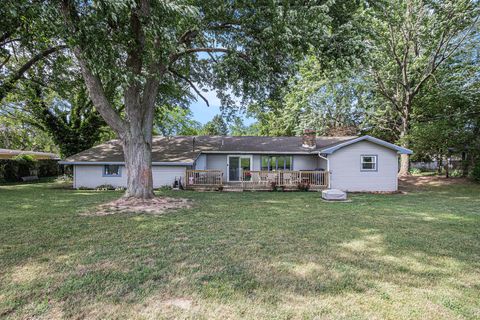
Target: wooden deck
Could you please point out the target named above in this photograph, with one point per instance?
(209, 180)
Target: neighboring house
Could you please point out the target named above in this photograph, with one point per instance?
(10, 154)
(348, 163)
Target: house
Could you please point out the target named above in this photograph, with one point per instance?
(349, 163)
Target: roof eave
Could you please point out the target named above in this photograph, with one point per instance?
(160, 163)
(400, 150)
(257, 152)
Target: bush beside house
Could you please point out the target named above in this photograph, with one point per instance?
(12, 170)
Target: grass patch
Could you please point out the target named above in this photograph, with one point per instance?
(242, 255)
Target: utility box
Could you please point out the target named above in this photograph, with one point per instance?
(334, 194)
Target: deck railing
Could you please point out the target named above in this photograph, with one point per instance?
(286, 178)
(204, 178)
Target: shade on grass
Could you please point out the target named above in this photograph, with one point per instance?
(242, 255)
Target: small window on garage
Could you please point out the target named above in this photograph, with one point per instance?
(110, 170)
(369, 162)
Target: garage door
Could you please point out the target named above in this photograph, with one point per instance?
(165, 175)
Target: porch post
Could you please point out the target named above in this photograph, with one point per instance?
(328, 168)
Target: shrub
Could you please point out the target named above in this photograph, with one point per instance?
(12, 170)
(273, 186)
(415, 171)
(456, 173)
(476, 172)
(48, 168)
(303, 186)
(105, 187)
(26, 165)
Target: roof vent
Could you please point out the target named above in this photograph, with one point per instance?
(309, 139)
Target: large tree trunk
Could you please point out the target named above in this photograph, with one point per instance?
(138, 162)
(404, 165)
(404, 158)
(135, 128)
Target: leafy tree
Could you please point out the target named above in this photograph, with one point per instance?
(22, 25)
(332, 104)
(446, 116)
(409, 40)
(53, 98)
(73, 124)
(16, 134)
(215, 127)
(238, 128)
(176, 120)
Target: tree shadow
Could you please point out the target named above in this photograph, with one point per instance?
(232, 250)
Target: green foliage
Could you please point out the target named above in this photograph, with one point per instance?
(25, 159)
(331, 104)
(476, 172)
(19, 135)
(13, 170)
(165, 188)
(415, 171)
(237, 128)
(408, 42)
(215, 127)
(456, 173)
(446, 115)
(175, 120)
(105, 187)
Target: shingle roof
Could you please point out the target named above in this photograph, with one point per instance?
(185, 149)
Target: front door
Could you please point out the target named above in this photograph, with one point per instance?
(236, 166)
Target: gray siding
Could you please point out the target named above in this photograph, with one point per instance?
(346, 174)
(304, 162)
(257, 162)
(217, 162)
(201, 162)
(300, 162)
(91, 176)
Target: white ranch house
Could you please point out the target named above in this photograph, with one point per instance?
(355, 164)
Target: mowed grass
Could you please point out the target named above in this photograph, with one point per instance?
(242, 255)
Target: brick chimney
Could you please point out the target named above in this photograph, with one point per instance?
(308, 138)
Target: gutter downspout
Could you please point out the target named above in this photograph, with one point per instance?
(328, 167)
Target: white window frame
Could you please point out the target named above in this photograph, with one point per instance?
(241, 170)
(104, 174)
(375, 162)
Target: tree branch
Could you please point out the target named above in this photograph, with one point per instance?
(92, 81)
(175, 56)
(191, 84)
(444, 56)
(10, 83)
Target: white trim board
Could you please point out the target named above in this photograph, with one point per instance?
(380, 142)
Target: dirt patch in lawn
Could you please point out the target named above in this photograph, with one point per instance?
(157, 205)
(411, 182)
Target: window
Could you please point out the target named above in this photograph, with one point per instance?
(112, 171)
(368, 163)
(272, 163)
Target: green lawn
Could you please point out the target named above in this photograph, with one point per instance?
(242, 255)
